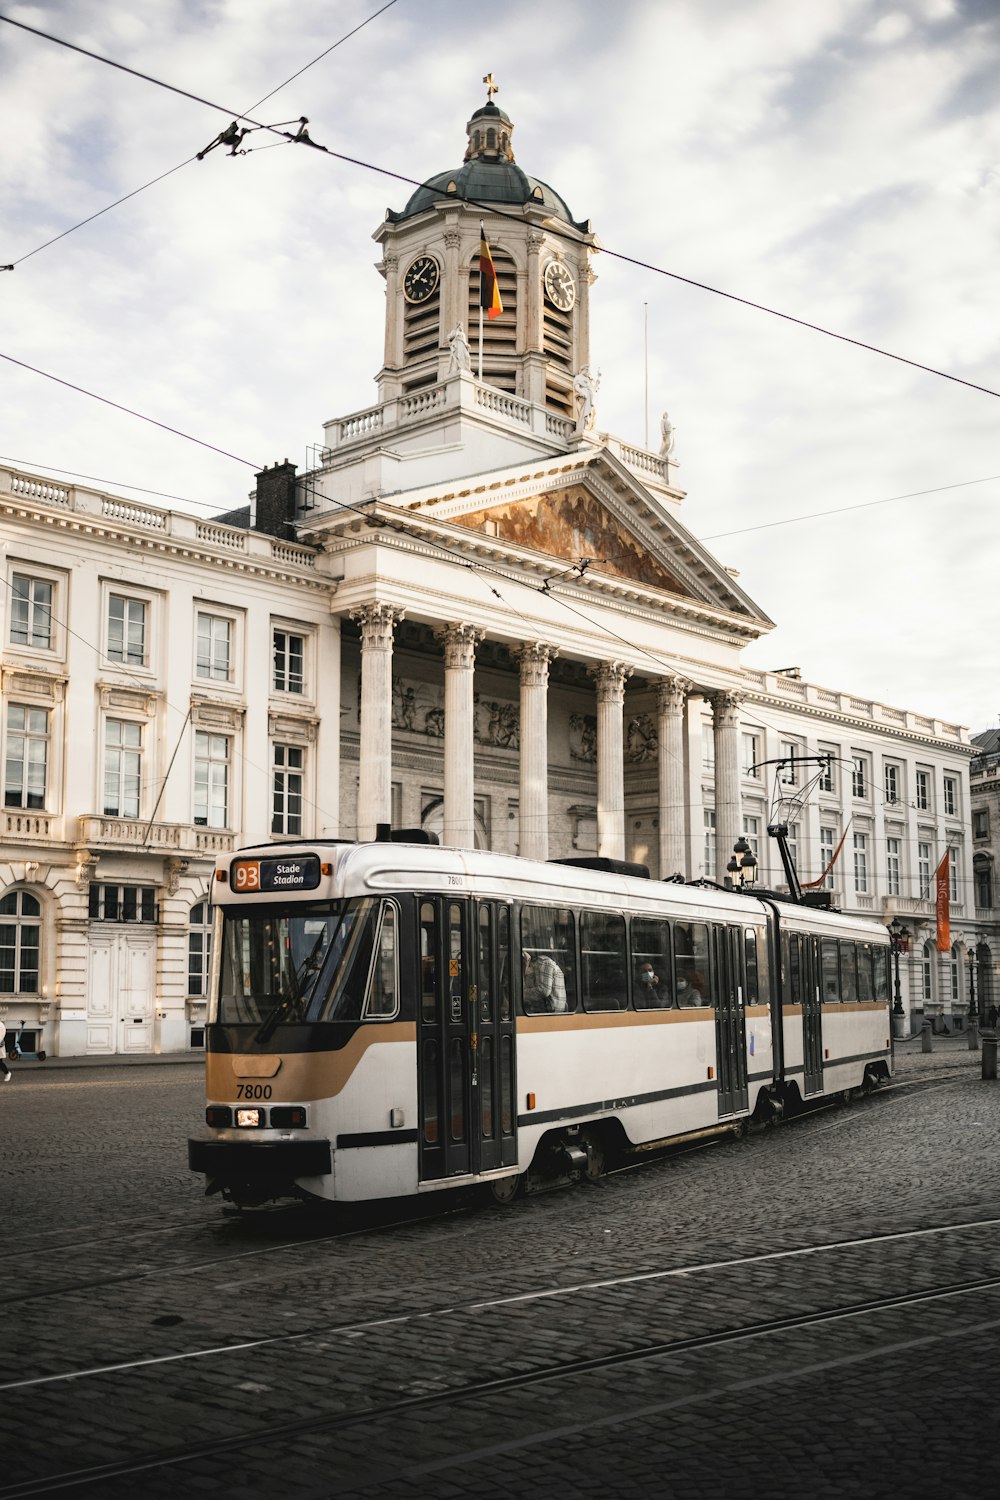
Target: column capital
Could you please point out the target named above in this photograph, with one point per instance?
(611, 677)
(725, 705)
(671, 694)
(534, 657)
(460, 642)
(377, 623)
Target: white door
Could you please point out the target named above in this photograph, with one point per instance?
(121, 983)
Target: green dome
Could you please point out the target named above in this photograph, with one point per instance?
(486, 181)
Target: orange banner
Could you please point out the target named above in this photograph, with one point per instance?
(942, 891)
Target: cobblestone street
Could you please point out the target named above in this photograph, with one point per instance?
(812, 1310)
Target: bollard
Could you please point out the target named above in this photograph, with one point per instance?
(973, 1035)
(990, 1056)
(926, 1045)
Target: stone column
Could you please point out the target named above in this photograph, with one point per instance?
(375, 773)
(611, 677)
(728, 821)
(533, 815)
(670, 701)
(460, 642)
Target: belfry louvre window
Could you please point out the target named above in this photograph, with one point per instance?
(421, 329)
(499, 334)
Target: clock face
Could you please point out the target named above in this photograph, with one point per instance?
(560, 288)
(421, 279)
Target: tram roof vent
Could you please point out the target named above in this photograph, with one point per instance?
(609, 866)
(385, 834)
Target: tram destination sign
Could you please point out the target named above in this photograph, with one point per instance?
(289, 873)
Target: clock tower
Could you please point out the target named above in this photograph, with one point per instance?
(430, 261)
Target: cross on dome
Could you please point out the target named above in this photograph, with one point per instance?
(491, 87)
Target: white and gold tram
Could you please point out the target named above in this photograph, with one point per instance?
(390, 1018)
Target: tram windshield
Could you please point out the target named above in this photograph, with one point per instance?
(289, 966)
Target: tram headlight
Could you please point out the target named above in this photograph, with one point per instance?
(249, 1119)
(218, 1115)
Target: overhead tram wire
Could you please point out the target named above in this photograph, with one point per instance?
(304, 139)
(170, 171)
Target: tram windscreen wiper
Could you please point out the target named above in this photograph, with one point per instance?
(294, 996)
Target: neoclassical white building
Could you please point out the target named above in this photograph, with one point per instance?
(480, 614)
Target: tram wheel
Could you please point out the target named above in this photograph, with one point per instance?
(504, 1190)
(597, 1157)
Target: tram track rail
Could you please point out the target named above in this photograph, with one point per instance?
(330, 1423)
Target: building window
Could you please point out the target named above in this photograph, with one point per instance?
(827, 773)
(31, 612)
(215, 642)
(211, 780)
(981, 823)
(950, 797)
(289, 662)
(861, 863)
(709, 818)
(983, 874)
(827, 844)
(26, 760)
(893, 860)
(287, 773)
(892, 783)
(750, 745)
(126, 630)
(927, 971)
(122, 903)
(924, 871)
(708, 749)
(199, 948)
(859, 776)
(20, 935)
(923, 790)
(787, 749)
(952, 962)
(122, 768)
(953, 874)
(751, 832)
(793, 845)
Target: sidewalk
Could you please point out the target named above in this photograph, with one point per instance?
(145, 1059)
(950, 1053)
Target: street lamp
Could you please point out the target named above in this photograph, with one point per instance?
(897, 934)
(742, 866)
(973, 1012)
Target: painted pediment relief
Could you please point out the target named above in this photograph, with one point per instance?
(573, 524)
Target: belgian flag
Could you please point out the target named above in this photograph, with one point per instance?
(489, 291)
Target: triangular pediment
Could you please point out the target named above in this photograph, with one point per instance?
(575, 526)
(595, 509)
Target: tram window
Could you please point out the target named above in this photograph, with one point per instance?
(548, 960)
(456, 964)
(309, 964)
(848, 971)
(456, 1088)
(428, 960)
(881, 956)
(691, 962)
(603, 979)
(651, 983)
(429, 1104)
(484, 979)
(486, 1122)
(752, 993)
(793, 970)
(865, 987)
(507, 1085)
(829, 959)
(383, 983)
(503, 962)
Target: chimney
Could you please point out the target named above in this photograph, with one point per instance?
(274, 503)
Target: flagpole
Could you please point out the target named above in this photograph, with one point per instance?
(645, 366)
(482, 242)
(480, 338)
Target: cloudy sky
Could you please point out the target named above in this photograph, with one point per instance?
(838, 160)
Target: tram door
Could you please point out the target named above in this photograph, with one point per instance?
(465, 1038)
(730, 1025)
(810, 979)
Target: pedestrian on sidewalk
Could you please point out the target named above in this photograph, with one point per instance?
(7, 1074)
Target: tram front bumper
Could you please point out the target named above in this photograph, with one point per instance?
(226, 1162)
